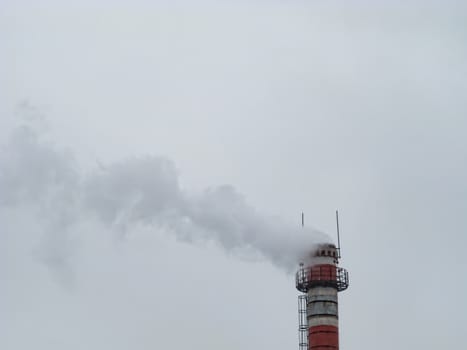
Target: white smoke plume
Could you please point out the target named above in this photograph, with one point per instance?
(138, 191)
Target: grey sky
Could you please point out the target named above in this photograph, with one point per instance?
(301, 105)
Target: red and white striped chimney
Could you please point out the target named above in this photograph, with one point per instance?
(320, 281)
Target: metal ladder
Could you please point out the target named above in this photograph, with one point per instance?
(302, 323)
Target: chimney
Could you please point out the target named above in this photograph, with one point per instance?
(320, 281)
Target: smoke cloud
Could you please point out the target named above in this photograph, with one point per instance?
(137, 191)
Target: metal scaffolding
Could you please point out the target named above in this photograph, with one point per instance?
(302, 323)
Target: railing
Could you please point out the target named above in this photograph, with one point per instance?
(322, 275)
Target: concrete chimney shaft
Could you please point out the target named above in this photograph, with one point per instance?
(321, 280)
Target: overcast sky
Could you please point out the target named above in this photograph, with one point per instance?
(296, 105)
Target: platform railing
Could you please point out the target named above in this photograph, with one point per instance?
(322, 275)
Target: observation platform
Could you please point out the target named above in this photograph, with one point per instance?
(322, 276)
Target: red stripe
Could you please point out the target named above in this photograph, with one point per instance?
(325, 272)
(323, 337)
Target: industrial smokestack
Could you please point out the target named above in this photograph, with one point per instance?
(320, 281)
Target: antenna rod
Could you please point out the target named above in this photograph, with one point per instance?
(338, 235)
(303, 219)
